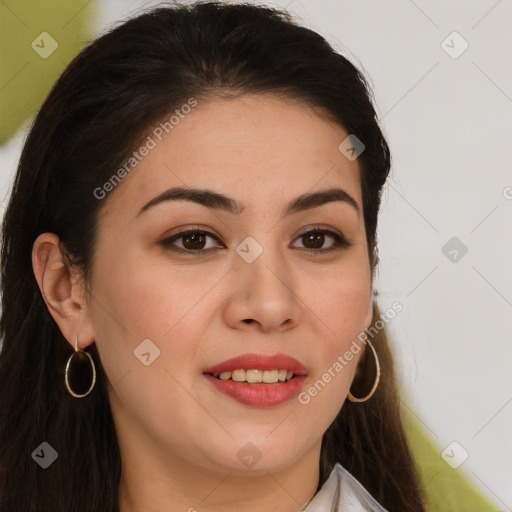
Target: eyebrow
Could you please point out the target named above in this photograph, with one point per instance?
(218, 201)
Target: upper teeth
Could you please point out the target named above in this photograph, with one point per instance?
(267, 376)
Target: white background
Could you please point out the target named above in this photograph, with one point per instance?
(449, 124)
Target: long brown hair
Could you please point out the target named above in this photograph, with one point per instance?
(94, 117)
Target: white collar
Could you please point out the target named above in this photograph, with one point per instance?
(352, 496)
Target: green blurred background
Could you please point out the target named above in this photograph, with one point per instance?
(30, 62)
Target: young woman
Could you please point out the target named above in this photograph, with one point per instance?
(187, 279)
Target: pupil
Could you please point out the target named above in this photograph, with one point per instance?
(196, 238)
(319, 238)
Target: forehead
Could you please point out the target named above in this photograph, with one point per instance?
(256, 149)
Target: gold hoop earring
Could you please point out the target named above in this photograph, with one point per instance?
(351, 397)
(80, 370)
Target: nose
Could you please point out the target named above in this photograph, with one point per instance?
(263, 292)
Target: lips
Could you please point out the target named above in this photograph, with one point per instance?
(259, 395)
(258, 362)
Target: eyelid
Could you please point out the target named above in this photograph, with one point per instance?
(319, 227)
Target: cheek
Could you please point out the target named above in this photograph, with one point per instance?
(161, 302)
(341, 300)
(340, 308)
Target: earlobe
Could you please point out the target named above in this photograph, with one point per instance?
(58, 290)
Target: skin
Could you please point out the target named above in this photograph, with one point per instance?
(178, 435)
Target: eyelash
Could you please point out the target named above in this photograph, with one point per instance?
(340, 241)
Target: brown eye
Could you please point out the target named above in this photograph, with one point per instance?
(192, 241)
(313, 241)
(195, 240)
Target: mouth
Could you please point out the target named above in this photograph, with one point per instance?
(258, 380)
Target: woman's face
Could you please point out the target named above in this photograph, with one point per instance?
(166, 308)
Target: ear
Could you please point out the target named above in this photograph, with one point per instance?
(62, 290)
(369, 313)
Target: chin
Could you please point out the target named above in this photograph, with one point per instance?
(256, 455)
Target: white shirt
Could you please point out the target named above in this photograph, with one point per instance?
(352, 496)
